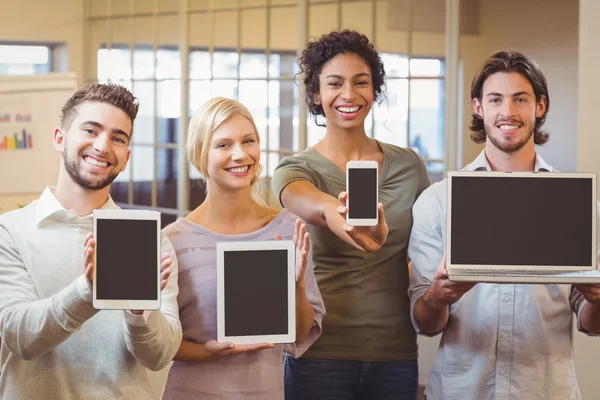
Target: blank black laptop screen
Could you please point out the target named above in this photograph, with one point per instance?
(255, 292)
(522, 221)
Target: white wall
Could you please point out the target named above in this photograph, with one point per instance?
(547, 32)
(56, 21)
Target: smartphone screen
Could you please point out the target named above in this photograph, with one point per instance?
(362, 191)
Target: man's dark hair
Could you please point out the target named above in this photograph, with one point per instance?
(113, 94)
(510, 61)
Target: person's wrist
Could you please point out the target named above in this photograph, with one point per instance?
(431, 300)
(301, 286)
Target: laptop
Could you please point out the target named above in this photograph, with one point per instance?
(521, 227)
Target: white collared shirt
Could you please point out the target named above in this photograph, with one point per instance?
(502, 341)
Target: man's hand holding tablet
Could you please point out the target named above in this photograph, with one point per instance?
(89, 264)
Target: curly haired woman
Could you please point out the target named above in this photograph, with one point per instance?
(368, 347)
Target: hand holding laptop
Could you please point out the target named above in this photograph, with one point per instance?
(591, 292)
(443, 291)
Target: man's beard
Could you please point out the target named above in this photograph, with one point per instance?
(508, 147)
(72, 167)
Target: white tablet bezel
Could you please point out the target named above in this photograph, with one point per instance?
(120, 214)
(362, 165)
(458, 271)
(287, 245)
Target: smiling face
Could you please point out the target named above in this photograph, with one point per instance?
(95, 147)
(346, 91)
(234, 154)
(509, 110)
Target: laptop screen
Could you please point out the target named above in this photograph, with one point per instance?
(504, 220)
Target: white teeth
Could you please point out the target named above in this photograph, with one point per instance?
(239, 170)
(508, 127)
(348, 109)
(90, 160)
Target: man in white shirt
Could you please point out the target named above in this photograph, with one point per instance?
(498, 341)
(54, 343)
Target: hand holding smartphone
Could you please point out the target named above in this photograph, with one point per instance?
(363, 193)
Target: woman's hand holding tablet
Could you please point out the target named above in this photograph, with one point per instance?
(302, 240)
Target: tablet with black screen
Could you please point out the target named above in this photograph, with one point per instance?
(256, 298)
(128, 245)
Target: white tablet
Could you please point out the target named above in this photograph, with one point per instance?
(256, 292)
(128, 246)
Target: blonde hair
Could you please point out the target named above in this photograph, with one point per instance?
(205, 121)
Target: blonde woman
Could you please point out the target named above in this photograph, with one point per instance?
(223, 144)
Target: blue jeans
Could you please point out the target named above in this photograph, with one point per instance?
(316, 379)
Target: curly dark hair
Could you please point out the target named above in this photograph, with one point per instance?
(319, 52)
(510, 61)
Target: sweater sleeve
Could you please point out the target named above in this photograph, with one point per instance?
(30, 327)
(155, 342)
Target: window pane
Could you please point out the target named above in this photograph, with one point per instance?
(426, 67)
(273, 160)
(225, 64)
(114, 64)
(199, 65)
(253, 94)
(263, 163)
(166, 179)
(427, 117)
(296, 126)
(143, 63)
(274, 66)
(273, 118)
(391, 115)
(142, 159)
(24, 60)
(24, 54)
(169, 111)
(143, 128)
(168, 64)
(253, 66)
(436, 171)
(227, 89)
(285, 111)
(199, 94)
(395, 65)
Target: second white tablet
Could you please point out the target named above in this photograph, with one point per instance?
(256, 292)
